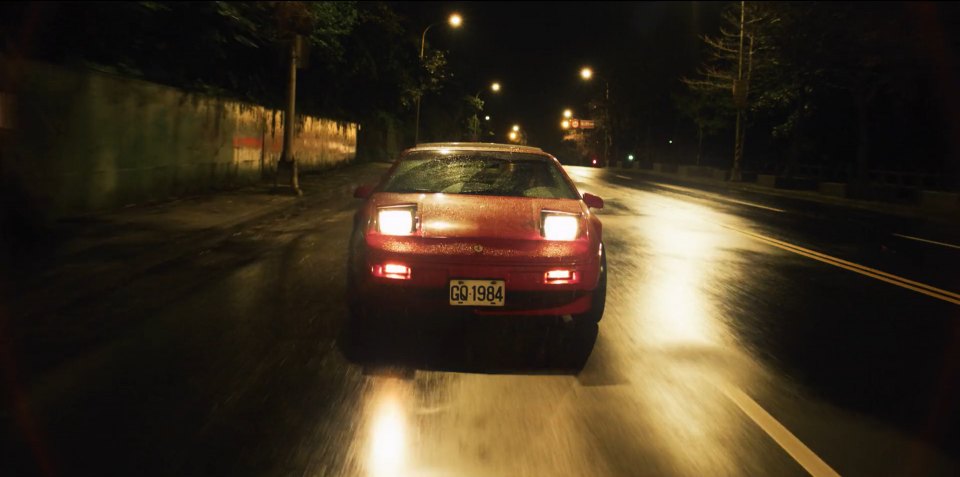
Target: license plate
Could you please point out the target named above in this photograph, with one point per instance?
(477, 292)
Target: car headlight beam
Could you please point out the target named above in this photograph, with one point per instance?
(396, 220)
(560, 226)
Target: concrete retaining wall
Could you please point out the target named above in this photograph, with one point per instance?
(793, 183)
(82, 140)
(935, 200)
(833, 189)
(939, 202)
(767, 180)
(664, 167)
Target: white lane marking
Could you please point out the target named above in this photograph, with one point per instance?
(623, 177)
(751, 204)
(780, 434)
(719, 197)
(928, 241)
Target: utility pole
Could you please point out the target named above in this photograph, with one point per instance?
(607, 138)
(287, 163)
(739, 97)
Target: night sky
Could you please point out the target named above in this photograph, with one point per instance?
(536, 51)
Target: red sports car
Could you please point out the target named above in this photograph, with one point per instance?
(485, 229)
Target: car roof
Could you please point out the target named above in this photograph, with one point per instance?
(477, 146)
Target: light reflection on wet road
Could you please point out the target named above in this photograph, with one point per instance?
(240, 371)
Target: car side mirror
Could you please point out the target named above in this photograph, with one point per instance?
(363, 191)
(592, 201)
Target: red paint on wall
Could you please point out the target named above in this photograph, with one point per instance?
(247, 142)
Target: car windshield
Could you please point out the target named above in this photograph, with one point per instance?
(479, 173)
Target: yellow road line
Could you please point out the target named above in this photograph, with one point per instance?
(857, 266)
(811, 462)
(928, 290)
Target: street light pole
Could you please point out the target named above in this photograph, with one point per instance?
(455, 20)
(587, 74)
(423, 42)
(606, 123)
(494, 87)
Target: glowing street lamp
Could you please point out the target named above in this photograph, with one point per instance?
(567, 113)
(513, 135)
(494, 87)
(486, 118)
(516, 128)
(565, 124)
(586, 73)
(455, 20)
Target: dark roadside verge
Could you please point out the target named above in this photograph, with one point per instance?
(87, 258)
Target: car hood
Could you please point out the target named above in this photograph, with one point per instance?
(478, 217)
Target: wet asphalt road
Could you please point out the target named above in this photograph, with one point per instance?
(734, 343)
